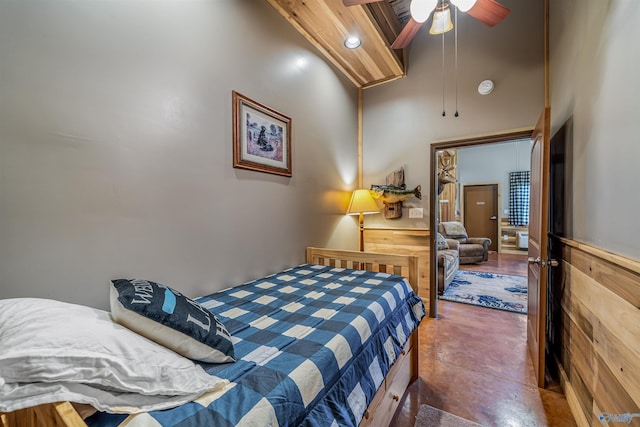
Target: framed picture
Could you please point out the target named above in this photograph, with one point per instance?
(261, 137)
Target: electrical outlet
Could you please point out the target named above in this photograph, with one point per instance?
(416, 213)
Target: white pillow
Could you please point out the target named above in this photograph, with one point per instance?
(65, 345)
(24, 395)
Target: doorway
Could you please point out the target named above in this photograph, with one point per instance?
(435, 205)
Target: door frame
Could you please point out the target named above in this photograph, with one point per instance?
(499, 206)
(468, 141)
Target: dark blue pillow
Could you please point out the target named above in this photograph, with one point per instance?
(169, 318)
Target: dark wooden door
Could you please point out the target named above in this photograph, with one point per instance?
(538, 241)
(481, 212)
(560, 225)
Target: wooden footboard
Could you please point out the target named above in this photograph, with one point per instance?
(386, 400)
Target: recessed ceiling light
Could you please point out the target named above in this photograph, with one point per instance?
(352, 42)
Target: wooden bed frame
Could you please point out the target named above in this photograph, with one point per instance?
(405, 370)
(382, 407)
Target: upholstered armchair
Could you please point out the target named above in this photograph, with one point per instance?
(472, 249)
(448, 262)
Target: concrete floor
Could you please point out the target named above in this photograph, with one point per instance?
(474, 363)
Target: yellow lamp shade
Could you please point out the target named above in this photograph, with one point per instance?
(362, 203)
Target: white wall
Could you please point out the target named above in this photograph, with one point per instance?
(115, 146)
(402, 118)
(594, 62)
(493, 163)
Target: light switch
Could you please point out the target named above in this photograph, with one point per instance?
(416, 213)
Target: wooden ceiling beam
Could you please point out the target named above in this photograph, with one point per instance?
(327, 23)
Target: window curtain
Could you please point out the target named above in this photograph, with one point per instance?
(519, 198)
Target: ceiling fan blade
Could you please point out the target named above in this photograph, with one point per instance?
(407, 34)
(490, 12)
(355, 2)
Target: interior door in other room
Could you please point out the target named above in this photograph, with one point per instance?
(481, 212)
(538, 243)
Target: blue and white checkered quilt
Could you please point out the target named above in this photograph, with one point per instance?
(313, 344)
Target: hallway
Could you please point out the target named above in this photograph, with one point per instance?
(474, 363)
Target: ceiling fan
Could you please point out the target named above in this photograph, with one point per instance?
(488, 12)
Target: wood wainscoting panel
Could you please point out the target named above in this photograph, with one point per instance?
(620, 281)
(577, 359)
(600, 356)
(403, 241)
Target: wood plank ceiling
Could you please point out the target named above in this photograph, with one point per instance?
(327, 23)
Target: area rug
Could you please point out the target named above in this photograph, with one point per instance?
(428, 416)
(500, 291)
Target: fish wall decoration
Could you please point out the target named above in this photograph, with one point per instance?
(394, 193)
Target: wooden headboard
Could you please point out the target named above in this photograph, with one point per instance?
(401, 265)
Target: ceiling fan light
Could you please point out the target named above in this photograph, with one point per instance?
(421, 9)
(441, 21)
(464, 5)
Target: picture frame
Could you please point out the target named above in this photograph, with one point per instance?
(261, 137)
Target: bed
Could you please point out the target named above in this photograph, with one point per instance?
(337, 346)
